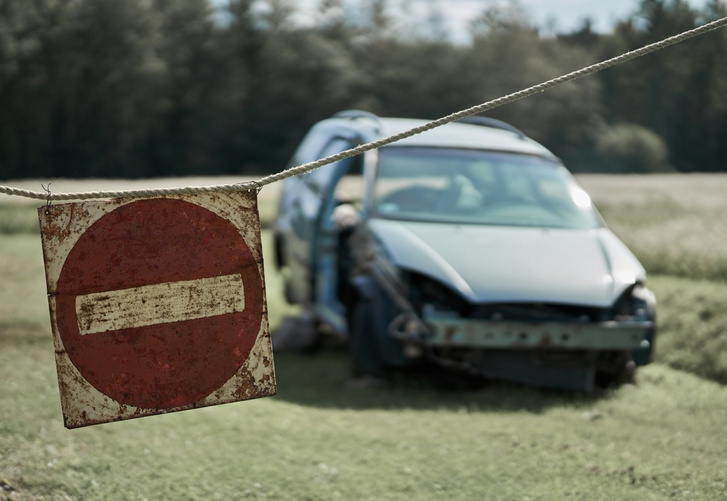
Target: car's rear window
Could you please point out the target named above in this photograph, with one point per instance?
(478, 187)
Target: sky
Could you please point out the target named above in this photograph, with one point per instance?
(566, 14)
(549, 15)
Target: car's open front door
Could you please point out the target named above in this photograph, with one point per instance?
(342, 197)
(310, 199)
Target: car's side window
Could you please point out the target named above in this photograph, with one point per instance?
(311, 146)
(319, 179)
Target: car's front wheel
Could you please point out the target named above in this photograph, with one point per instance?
(614, 369)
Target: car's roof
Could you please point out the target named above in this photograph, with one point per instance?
(452, 135)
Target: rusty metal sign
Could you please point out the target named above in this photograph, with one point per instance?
(157, 304)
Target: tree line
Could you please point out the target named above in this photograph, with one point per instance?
(141, 88)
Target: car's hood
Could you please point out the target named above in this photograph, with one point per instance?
(513, 264)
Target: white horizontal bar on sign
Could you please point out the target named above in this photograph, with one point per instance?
(159, 304)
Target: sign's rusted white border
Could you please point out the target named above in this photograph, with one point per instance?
(82, 404)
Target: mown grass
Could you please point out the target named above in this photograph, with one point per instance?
(692, 325)
(315, 440)
(660, 439)
(657, 440)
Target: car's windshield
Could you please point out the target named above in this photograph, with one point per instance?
(478, 187)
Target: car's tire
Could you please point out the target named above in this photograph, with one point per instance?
(615, 369)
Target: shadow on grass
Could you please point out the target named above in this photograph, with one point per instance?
(319, 380)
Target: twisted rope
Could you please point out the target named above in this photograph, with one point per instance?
(307, 167)
(189, 190)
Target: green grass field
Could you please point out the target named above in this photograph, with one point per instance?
(663, 438)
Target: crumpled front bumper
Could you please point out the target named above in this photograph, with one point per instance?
(467, 333)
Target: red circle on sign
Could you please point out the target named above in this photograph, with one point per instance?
(149, 242)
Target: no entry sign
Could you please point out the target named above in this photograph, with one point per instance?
(157, 304)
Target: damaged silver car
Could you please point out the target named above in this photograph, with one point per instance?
(469, 246)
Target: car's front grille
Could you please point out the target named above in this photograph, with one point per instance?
(536, 312)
